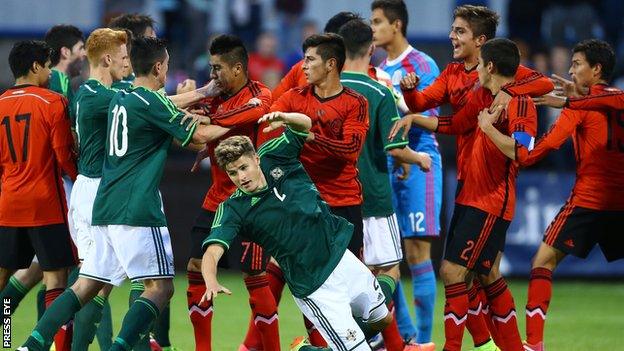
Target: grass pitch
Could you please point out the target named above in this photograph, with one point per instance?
(582, 315)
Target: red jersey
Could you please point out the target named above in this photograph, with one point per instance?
(456, 85)
(607, 98)
(339, 124)
(233, 112)
(598, 138)
(490, 179)
(259, 65)
(295, 78)
(35, 146)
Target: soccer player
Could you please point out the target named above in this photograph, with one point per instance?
(37, 147)
(108, 60)
(238, 107)
(382, 241)
(417, 198)
(594, 212)
(472, 27)
(135, 153)
(279, 207)
(68, 55)
(485, 204)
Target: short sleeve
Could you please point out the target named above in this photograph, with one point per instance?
(166, 116)
(225, 227)
(387, 114)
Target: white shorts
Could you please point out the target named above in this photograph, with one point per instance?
(79, 214)
(382, 241)
(350, 290)
(121, 251)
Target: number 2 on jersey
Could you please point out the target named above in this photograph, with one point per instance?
(116, 147)
(6, 121)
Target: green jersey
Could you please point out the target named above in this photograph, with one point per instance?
(60, 83)
(288, 218)
(91, 108)
(125, 83)
(373, 161)
(141, 125)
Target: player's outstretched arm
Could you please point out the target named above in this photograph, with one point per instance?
(207, 133)
(407, 155)
(186, 99)
(296, 121)
(211, 257)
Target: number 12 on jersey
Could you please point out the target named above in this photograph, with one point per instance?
(118, 148)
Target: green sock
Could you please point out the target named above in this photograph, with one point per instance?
(136, 324)
(104, 331)
(15, 291)
(86, 323)
(314, 348)
(41, 301)
(387, 285)
(136, 289)
(161, 328)
(62, 310)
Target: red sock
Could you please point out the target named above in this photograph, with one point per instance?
(63, 337)
(276, 281)
(391, 335)
(486, 312)
(475, 321)
(455, 311)
(315, 337)
(264, 310)
(540, 291)
(504, 315)
(201, 317)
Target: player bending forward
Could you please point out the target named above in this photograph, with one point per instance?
(278, 207)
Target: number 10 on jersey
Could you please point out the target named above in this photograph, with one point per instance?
(118, 148)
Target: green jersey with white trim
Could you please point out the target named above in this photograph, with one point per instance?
(288, 218)
(125, 83)
(373, 161)
(59, 82)
(91, 108)
(141, 125)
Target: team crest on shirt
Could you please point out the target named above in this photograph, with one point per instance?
(351, 334)
(277, 173)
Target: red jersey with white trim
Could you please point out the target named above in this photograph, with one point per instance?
(490, 177)
(36, 145)
(233, 112)
(598, 138)
(339, 124)
(456, 85)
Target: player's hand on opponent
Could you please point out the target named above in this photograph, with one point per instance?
(186, 86)
(210, 89)
(425, 161)
(212, 290)
(550, 100)
(410, 81)
(405, 124)
(565, 87)
(402, 170)
(501, 99)
(194, 118)
(487, 118)
(274, 119)
(254, 101)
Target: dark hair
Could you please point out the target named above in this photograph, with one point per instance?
(598, 52)
(231, 49)
(134, 22)
(145, 53)
(393, 10)
(503, 53)
(25, 53)
(357, 36)
(328, 45)
(338, 20)
(62, 36)
(482, 21)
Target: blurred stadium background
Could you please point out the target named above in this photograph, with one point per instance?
(273, 31)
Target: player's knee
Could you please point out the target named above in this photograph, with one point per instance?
(546, 257)
(86, 289)
(452, 273)
(161, 288)
(382, 323)
(55, 279)
(194, 265)
(417, 250)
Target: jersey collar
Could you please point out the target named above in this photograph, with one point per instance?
(400, 57)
